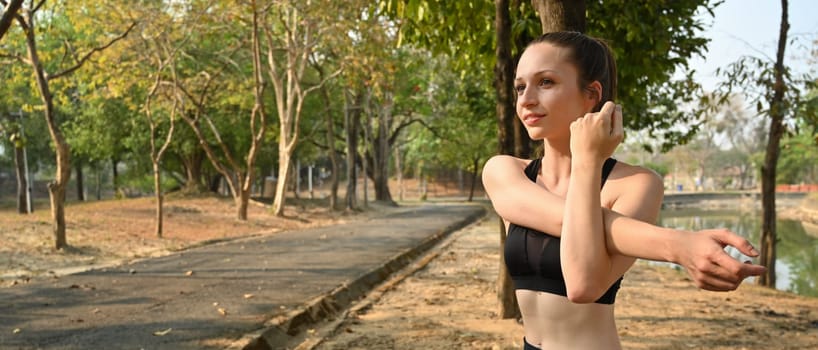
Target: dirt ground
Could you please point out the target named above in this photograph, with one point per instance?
(448, 304)
(116, 231)
(451, 304)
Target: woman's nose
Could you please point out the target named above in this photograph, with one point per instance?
(527, 98)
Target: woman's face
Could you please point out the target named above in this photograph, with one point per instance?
(548, 97)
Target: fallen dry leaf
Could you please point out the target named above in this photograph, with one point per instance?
(16, 330)
(161, 333)
(222, 311)
(189, 273)
(248, 296)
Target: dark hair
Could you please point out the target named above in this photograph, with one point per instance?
(591, 56)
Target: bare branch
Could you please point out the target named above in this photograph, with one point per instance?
(16, 57)
(323, 81)
(8, 15)
(88, 55)
(400, 127)
(37, 8)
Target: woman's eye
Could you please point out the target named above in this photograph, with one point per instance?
(546, 82)
(519, 88)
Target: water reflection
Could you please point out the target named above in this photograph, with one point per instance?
(797, 261)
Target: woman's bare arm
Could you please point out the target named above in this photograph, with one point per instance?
(516, 199)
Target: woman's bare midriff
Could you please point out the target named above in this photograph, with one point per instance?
(553, 322)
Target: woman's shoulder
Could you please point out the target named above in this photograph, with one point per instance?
(501, 169)
(635, 175)
(503, 161)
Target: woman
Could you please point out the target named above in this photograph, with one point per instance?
(566, 279)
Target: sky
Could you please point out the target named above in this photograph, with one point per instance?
(750, 27)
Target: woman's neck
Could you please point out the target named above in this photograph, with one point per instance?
(556, 163)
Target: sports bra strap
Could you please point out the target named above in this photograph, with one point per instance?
(606, 170)
(533, 169)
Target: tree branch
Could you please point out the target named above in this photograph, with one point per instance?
(8, 15)
(88, 55)
(15, 57)
(37, 8)
(400, 127)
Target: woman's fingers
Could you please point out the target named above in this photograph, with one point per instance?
(616, 119)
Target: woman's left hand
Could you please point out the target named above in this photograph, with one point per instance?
(595, 136)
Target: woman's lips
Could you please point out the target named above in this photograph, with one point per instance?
(531, 119)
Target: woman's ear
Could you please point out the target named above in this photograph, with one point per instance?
(594, 91)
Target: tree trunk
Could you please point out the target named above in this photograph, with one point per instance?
(559, 15)
(331, 152)
(399, 173)
(505, 286)
(80, 184)
(56, 189)
(503, 76)
(475, 170)
(215, 182)
(380, 171)
(283, 177)
(115, 177)
(351, 123)
(365, 169)
(98, 173)
(193, 162)
(157, 190)
(22, 181)
(242, 202)
(768, 170)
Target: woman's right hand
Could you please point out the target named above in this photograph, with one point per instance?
(595, 136)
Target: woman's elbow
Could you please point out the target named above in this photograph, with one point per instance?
(583, 293)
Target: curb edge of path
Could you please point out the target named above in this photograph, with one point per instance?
(279, 330)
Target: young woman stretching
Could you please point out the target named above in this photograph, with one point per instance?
(576, 218)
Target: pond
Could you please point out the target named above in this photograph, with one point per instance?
(797, 251)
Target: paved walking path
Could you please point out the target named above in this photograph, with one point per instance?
(253, 293)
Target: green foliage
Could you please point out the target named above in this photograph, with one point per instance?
(754, 77)
(430, 60)
(652, 40)
(798, 162)
(462, 30)
(650, 46)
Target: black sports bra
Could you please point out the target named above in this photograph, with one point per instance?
(533, 257)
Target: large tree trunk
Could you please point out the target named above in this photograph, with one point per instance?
(503, 76)
(22, 180)
(559, 15)
(768, 170)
